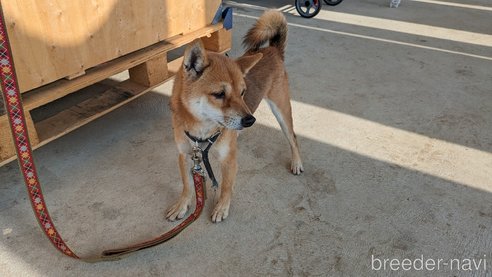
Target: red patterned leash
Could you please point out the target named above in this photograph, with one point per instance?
(13, 103)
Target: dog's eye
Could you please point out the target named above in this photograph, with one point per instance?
(219, 95)
(243, 92)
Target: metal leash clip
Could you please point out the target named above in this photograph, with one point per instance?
(197, 160)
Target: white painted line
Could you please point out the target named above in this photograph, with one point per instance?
(451, 4)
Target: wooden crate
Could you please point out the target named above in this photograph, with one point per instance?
(148, 67)
(62, 39)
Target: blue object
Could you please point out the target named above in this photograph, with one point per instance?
(224, 14)
(218, 15)
(227, 16)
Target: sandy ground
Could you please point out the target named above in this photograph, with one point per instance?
(393, 111)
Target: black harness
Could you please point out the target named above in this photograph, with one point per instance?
(210, 140)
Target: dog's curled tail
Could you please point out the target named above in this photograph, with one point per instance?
(271, 27)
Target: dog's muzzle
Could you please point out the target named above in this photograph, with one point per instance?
(247, 121)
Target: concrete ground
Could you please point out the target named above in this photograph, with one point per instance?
(393, 111)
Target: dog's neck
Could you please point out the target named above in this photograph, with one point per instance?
(197, 127)
(203, 128)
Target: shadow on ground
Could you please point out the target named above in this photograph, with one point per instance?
(345, 208)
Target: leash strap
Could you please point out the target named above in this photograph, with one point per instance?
(15, 111)
(206, 162)
(198, 181)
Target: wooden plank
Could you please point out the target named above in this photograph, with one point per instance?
(7, 148)
(33, 135)
(60, 88)
(218, 41)
(151, 72)
(91, 109)
(2, 105)
(76, 75)
(81, 113)
(85, 112)
(53, 39)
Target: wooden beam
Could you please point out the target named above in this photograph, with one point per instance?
(218, 41)
(85, 112)
(7, 148)
(151, 72)
(80, 114)
(75, 75)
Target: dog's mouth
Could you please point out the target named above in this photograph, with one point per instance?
(235, 127)
(222, 124)
(233, 123)
(237, 123)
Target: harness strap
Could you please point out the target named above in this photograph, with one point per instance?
(15, 112)
(211, 140)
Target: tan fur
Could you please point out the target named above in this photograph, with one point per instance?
(199, 108)
(271, 27)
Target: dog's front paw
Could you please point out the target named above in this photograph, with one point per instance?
(221, 210)
(296, 167)
(178, 210)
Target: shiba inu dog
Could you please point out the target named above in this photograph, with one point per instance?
(213, 93)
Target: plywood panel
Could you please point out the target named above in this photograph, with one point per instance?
(54, 39)
(60, 88)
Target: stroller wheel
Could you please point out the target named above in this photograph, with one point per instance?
(308, 8)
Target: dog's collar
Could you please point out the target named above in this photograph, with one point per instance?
(211, 140)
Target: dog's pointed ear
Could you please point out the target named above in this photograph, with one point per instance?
(247, 62)
(195, 59)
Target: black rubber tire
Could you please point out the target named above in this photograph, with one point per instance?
(302, 4)
(332, 2)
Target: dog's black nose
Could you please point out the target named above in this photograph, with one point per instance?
(248, 120)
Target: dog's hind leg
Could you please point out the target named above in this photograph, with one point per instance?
(279, 101)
